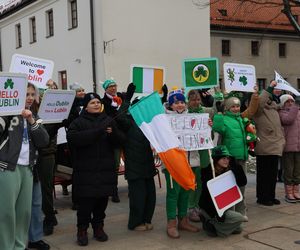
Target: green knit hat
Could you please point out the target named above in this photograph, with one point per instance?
(220, 151)
(108, 83)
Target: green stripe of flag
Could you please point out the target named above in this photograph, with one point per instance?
(146, 109)
(138, 79)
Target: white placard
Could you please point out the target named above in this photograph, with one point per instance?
(13, 89)
(39, 70)
(56, 105)
(284, 85)
(192, 130)
(239, 77)
(224, 192)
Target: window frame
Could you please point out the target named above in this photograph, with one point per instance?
(32, 27)
(226, 47)
(255, 48)
(282, 47)
(18, 32)
(72, 14)
(49, 23)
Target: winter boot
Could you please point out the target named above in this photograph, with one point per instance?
(184, 224)
(82, 237)
(172, 229)
(48, 224)
(296, 192)
(289, 194)
(99, 233)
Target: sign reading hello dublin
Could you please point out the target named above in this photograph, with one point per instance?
(13, 88)
(39, 70)
(200, 73)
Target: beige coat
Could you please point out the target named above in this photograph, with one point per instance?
(269, 131)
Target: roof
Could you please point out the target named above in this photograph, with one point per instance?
(263, 15)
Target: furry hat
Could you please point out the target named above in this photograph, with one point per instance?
(231, 101)
(88, 97)
(284, 98)
(175, 95)
(108, 82)
(75, 86)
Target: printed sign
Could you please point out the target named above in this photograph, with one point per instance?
(239, 77)
(13, 89)
(284, 85)
(39, 71)
(56, 105)
(192, 130)
(147, 79)
(224, 192)
(200, 73)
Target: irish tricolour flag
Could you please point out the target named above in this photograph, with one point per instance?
(147, 79)
(224, 192)
(149, 115)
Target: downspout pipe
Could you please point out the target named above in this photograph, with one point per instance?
(93, 44)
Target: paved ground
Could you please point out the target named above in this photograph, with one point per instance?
(276, 227)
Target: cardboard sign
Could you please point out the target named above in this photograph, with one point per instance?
(284, 85)
(56, 105)
(239, 77)
(13, 89)
(224, 192)
(39, 71)
(192, 130)
(147, 79)
(200, 73)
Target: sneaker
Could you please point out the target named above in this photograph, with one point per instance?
(265, 203)
(39, 245)
(140, 228)
(115, 198)
(193, 215)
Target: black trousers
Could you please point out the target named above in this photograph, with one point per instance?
(91, 210)
(266, 177)
(142, 199)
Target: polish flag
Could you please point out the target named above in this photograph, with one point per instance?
(224, 192)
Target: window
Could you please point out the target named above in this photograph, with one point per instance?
(63, 79)
(225, 47)
(73, 17)
(282, 49)
(18, 36)
(32, 26)
(49, 23)
(261, 83)
(254, 48)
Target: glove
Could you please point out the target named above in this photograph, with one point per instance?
(130, 91)
(220, 106)
(165, 93)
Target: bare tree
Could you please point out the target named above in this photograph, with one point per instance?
(288, 6)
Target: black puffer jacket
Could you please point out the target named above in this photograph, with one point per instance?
(93, 155)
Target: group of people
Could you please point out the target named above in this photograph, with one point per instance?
(100, 132)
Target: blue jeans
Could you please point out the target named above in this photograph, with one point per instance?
(36, 222)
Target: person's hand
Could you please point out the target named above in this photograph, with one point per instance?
(130, 91)
(210, 122)
(27, 114)
(164, 89)
(108, 130)
(273, 84)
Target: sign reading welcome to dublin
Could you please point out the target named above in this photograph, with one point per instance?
(200, 73)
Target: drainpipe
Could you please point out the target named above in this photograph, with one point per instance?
(93, 44)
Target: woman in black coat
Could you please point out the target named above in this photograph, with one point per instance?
(92, 138)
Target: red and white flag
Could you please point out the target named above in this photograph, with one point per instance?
(224, 192)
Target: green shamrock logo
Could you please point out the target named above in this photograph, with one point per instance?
(243, 80)
(231, 75)
(9, 83)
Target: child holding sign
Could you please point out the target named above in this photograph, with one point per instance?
(230, 222)
(17, 156)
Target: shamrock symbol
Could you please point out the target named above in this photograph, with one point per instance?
(200, 72)
(243, 80)
(230, 75)
(9, 83)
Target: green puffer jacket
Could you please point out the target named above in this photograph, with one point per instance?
(231, 127)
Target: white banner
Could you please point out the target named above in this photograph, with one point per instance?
(13, 89)
(39, 70)
(192, 130)
(284, 85)
(239, 77)
(56, 105)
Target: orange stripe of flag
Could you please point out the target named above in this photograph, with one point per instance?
(158, 80)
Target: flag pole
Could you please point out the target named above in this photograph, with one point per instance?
(211, 164)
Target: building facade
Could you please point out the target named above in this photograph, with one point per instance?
(91, 40)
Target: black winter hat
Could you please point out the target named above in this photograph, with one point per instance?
(88, 97)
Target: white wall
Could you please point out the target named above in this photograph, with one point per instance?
(156, 32)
